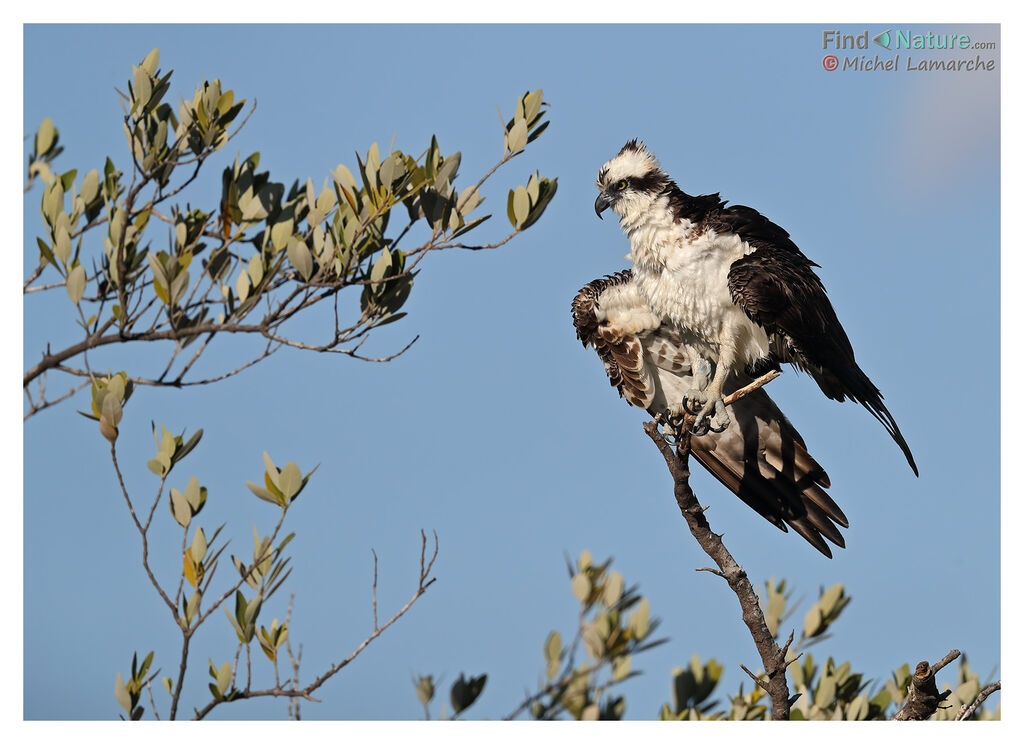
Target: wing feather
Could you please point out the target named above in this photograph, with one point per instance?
(777, 288)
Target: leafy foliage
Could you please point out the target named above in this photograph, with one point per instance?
(265, 253)
(138, 265)
(611, 637)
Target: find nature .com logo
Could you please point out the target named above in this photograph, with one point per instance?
(895, 40)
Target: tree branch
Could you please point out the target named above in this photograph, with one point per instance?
(966, 711)
(924, 697)
(425, 580)
(772, 657)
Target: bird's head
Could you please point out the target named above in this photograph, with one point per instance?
(630, 181)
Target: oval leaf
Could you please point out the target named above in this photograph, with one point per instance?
(300, 257)
(76, 284)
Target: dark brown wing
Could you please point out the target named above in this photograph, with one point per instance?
(760, 457)
(777, 288)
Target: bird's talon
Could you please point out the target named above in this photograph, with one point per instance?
(712, 417)
(694, 401)
(720, 421)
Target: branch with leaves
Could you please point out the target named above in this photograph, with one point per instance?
(614, 624)
(267, 254)
(200, 559)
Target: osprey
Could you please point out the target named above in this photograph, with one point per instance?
(736, 283)
(758, 456)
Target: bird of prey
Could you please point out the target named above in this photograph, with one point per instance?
(736, 282)
(759, 455)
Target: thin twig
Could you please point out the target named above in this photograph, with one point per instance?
(376, 625)
(306, 693)
(149, 689)
(966, 711)
(35, 408)
(760, 382)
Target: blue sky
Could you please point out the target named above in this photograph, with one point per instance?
(497, 430)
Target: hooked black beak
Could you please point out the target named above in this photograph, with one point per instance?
(602, 203)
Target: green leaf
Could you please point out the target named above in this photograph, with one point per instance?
(521, 204)
(516, 138)
(553, 646)
(830, 598)
(255, 269)
(121, 693)
(585, 561)
(281, 232)
(242, 286)
(262, 493)
(465, 692)
(424, 688)
(446, 173)
(344, 178)
(252, 611)
(45, 136)
(547, 193)
(858, 709)
(613, 588)
(143, 87)
(179, 507)
(509, 210)
(180, 452)
(300, 257)
(813, 622)
(271, 469)
(160, 465)
(90, 186)
(76, 283)
(45, 254)
(640, 619)
(198, 547)
(150, 62)
(224, 677)
(581, 587)
(53, 201)
(533, 188)
(592, 641)
(531, 104)
(381, 266)
(291, 480)
(62, 242)
(68, 178)
(193, 494)
(192, 607)
(111, 408)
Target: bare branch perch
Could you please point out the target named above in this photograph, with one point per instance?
(924, 697)
(772, 657)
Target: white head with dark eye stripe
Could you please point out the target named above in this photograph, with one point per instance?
(630, 182)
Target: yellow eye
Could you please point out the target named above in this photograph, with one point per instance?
(620, 186)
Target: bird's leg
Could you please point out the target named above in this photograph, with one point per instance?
(712, 397)
(694, 399)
